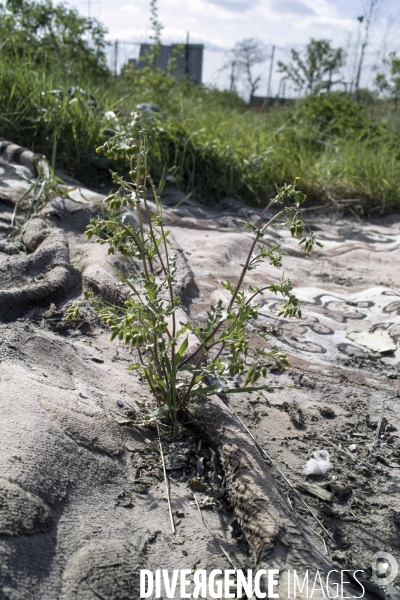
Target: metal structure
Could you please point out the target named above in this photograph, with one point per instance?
(177, 59)
(212, 66)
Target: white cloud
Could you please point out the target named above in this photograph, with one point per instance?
(225, 22)
(131, 8)
(238, 6)
(292, 7)
(222, 23)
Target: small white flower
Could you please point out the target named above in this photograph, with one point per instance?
(110, 115)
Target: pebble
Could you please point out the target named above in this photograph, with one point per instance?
(198, 486)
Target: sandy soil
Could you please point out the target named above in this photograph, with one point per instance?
(82, 496)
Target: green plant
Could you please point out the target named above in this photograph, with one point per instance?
(335, 114)
(391, 86)
(314, 69)
(148, 322)
(204, 141)
(44, 187)
(56, 36)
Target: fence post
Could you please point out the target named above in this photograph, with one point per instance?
(271, 66)
(115, 58)
(187, 55)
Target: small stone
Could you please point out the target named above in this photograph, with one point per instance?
(353, 447)
(120, 403)
(124, 499)
(198, 486)
(327, 412)
(178, 460)
(140, 488)
(296, 415)
(339, 489)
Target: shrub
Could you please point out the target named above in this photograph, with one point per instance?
(335, 113)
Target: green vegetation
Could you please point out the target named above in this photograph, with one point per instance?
(390, 82)
(314, 70)
(175, 372)
(53, 36)
(203, 141)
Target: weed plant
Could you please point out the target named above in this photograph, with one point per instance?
(43, 189)
(176, 374)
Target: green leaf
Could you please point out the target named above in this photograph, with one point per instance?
(185, 327)
(207, 391)
(182, 348)
(134, 367)
(245, 224)
(154, 415)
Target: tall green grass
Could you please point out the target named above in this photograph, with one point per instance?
(37, 111)
(204, 141)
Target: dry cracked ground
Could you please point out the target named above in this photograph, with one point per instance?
(82, 496)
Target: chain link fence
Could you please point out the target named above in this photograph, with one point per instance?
(217, 69)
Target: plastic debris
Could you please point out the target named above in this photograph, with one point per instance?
(146, 107)
(378, 341)
(200, 466)
(110, 115)
(319, 465)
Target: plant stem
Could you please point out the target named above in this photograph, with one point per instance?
(241, 278)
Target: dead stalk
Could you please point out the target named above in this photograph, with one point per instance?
(212, 534)
(166, 482)
(360, 462)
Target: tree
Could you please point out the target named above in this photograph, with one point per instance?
(55, 35)
(371, 10)
(313, 71)
(391, 85)
(243, 57)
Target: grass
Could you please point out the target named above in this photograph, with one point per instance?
(204, 141)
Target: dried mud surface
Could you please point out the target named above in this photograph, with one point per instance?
(82, 498)
(346, 390)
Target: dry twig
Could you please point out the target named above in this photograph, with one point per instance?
(166, 483)
(360, 462)
(213, 535)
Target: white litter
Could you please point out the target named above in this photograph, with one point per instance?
(318, 465)
(378, 341)
(110, 116)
